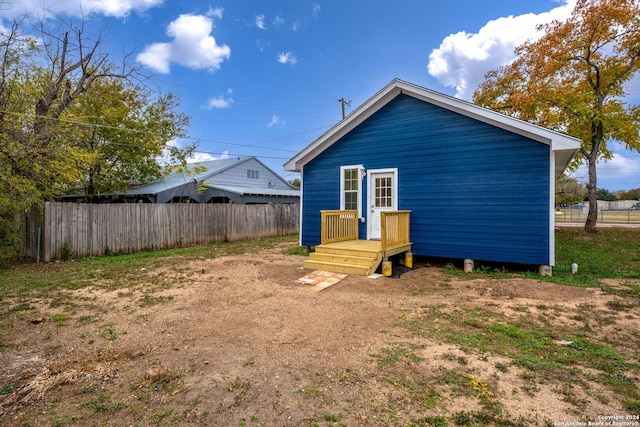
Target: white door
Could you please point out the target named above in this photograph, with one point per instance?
(382, 196)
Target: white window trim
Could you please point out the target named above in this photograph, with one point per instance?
(361, 174)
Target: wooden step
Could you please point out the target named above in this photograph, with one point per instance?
(346, 251)
(334, 267)
(342, 258)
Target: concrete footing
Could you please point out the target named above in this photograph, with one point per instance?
(408, 260)
(387, 268)
(468, 265)
(546, 270)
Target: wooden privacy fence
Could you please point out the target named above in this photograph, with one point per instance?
(82, 229)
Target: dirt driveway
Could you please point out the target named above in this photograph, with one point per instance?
(237, 341)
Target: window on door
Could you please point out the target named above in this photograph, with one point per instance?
(384, 192)
(351, 188)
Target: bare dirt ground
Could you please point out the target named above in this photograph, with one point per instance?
(237, 341)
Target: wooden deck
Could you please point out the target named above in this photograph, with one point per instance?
(359, 257)
(340, 250)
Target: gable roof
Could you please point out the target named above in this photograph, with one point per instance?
(563, 145)
(176, 179)
(213, 167)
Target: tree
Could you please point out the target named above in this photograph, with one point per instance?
(633, 194)
(122, 130)
(569, 190)
(44, 82)
(39, 79)
(606, 195)
(295, 182)
(572, 80)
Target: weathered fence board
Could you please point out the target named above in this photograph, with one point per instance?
(97, 229)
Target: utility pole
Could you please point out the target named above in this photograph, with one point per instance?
(343, 102)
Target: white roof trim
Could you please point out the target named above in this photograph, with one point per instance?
(558, 141)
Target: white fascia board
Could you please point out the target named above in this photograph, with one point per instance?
(557, 140)
(343, 127)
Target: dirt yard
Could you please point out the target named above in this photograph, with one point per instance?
(237, 341)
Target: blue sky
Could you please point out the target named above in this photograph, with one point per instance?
(263, 78)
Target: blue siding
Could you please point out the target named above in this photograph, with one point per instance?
(475, 190)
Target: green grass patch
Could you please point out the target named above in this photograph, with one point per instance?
(101, 404)
(397, 353)
(549, 355)
(611, 253)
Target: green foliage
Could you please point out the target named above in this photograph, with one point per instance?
(569, 190)
(122, 129)
(75, 121)
(573, 79)
(604, 194)
(633, 194)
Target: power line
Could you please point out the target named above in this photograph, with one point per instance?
(190, 138)
(255, 104)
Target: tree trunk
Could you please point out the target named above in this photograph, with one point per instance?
(597, 134)
(590, 226)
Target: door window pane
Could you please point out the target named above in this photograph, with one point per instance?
(383, 192)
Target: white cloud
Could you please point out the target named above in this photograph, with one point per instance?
(219, 102)
(262, 45)
(193, 46)
(316, 9)
(286, 58)
(278, 21)
(625, 164)
(215, 12)
(260, 22)
(205, 157)
(622, 172)
(462, 59)
(275, 120)
(77, 8)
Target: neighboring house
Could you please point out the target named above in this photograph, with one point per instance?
(241, 180)
(480, 185)
(613, 205)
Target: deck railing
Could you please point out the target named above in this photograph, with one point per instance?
(337, 226)
(394, 229)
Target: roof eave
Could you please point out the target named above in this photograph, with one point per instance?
(556, 140)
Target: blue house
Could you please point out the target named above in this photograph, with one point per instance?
(474, 184)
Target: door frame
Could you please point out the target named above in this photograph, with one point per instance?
(371, 194)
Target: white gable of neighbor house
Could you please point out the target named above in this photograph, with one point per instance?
(250, 173)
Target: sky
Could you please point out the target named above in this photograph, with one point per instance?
(264, 78)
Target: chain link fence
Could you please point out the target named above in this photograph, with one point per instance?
(617, 216)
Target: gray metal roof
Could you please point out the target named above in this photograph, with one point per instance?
(255, 190)
(175, 179)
